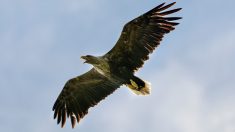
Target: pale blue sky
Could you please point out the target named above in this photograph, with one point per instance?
(192, 72)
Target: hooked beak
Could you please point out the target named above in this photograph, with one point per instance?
(84, 58)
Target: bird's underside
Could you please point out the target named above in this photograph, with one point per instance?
(117, 67)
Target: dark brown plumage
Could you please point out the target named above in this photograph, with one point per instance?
(117, 67)
(79, 94)
(141, 36)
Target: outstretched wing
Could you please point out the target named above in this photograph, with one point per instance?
(141, 36)
(81, 93)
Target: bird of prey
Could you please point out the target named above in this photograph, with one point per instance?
(117, 67)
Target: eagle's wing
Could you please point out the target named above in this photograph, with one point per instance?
(141, 36)
(81, 93)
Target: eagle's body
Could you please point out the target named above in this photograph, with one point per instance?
(117, 74)
(117, 67)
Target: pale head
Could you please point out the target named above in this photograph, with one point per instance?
(90, 59)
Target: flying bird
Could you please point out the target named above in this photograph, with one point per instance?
(117, 67)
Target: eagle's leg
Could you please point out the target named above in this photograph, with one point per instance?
(139, 86)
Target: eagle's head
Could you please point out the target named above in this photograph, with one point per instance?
(90, 59)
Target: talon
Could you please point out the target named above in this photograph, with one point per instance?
(134, 84)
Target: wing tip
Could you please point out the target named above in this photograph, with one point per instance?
(172, 18)
(178, 9)
(73, 121)
(168, 12)
(162, 4)
(55, 115)
(158, 9)
(172, 3)
(165, 7)
(61, 119)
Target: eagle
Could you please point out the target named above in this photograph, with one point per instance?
(117, 67)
